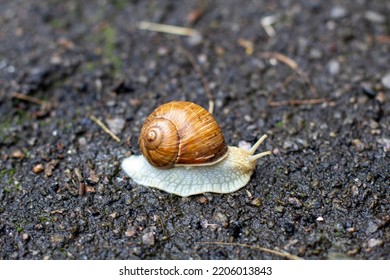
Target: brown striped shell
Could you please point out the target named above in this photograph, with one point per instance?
(181, 133)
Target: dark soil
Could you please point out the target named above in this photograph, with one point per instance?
(324, 193)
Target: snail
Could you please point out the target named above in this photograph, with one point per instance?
(184, 153)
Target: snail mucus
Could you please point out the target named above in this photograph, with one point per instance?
(184, 153)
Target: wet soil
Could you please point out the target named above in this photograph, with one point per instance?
(313, 75)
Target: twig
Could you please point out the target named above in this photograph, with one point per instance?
(294, 102)
(105, 128)
(280, 57)
(294, 66)
(248, 45)
(28, 98)
(267, 22)
(199, 71)
(165, 28)
(278, 253)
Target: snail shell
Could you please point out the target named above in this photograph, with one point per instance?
(181, 133)
(184, 153)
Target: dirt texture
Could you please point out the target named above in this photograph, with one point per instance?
(313, 75)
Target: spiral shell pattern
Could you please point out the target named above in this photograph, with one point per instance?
(181, 133)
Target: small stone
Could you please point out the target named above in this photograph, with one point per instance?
(256, 202)
(148, 238)
(135, 102)
(17, 154)
(248, 118)
(279, 209)
(221, 219)
(381, 97)
(82, 142)
(386, 80)
(355, 190)
(359, 145)
(65, 43)
(93, 177)
(338, 12)
(375, 17)
(315, 54)
(244, 145)
(195, 39)
(295, 202)
(373, 242)
(38, 168)
(56, 239)
(130, 233)
(35, 252)
(38, 226)
(351, 229)
(203, 200)
(333, 67)
(116, 125)
(90, 189)
(385, 142)
(320, 219)
(49, 167)
(368, 91)
(371, 227)
(114, 215)
(290, 145)
(353, 252)
(374, 124)
(25, 236)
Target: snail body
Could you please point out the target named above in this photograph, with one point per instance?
(184, 153)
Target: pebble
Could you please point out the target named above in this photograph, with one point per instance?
(373, 242)
(130, 233)
(279, 209)
(320, 219)
(338, 12)
(375, 17)
(244, 145)
(56, 238)
(38, 168)
(295, 202)
(25, 237)
(116, 125)
(359, 145)
(315, 54)
(371, 227)
(221, 219)
(49, 167)
(290, 145)
(256, 202)
(149, 239)
(333, 67)
(386, 80)
(93, 177)
(18, 154)
(368, 91)
(195, 39)
(386, 144)
(351, 229)
(203, 200)
(90, 189)
(353, 252)
(355, 190)
(113, 215)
